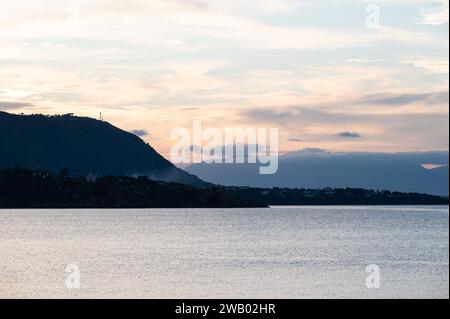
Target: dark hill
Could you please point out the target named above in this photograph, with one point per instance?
(22, 188)
(83, 146)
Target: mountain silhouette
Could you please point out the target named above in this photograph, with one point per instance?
(83, 146)
(315, 168)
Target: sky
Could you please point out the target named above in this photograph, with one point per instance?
(342, 75)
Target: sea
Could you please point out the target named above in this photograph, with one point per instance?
(278, 252)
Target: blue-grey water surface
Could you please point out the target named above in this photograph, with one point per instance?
(281, 252)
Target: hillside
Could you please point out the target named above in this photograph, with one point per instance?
(83, 146)
(330, 196)
(23, 188)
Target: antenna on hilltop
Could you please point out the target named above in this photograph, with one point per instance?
(101, 117)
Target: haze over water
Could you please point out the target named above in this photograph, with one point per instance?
(296, 252)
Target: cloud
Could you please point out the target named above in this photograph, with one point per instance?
(162, 23)
(385, 128)
(437, 14)
(350, 111)
(349, 135)
(311, 151)
(140, 132)
(364, 60)
(4, 105)
(293, 139)
(434, 98)
(432, 166)
(312, 67)
(267, 115)
(430, 12)
(429, 64)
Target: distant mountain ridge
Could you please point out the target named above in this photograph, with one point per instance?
(316, 168)
(83, 146)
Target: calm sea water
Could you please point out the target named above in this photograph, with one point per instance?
(297, 252)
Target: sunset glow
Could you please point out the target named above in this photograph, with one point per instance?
(313, 69)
